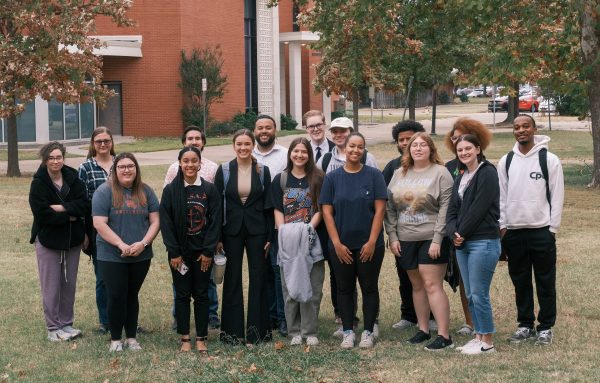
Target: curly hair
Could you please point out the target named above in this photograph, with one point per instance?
(406, 126)
(469, 126)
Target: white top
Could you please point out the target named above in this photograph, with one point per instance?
(275, 159)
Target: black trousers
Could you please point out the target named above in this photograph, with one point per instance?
(258, 326)
(123, 283)
(193, 284)
(533, 249)
(368, 278)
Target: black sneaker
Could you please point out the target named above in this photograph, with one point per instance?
(419, 337)
(283, 331)
(522, 334)
(214, 323)
(439, 344)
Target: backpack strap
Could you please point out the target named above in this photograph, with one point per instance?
(226, 173)
(283, 180)
(509, 157)
(326, 161)
(543, 158)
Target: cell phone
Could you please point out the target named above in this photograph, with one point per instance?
(182, 268)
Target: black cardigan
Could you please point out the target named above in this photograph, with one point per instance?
(53, 229)
(173, 221)
(476, 216)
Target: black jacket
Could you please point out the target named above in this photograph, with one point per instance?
(476, 216)
(257, 213)
(55, 230)
(390, 168)
(173, 221)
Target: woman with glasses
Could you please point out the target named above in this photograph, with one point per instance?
(94, 172)
(415, 221)
(125, 214)
(59, 204)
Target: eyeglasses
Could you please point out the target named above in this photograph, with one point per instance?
(102, 142)
(122, 168)
(421, 145)
(57, 159)
(315, 126)
(454, 138)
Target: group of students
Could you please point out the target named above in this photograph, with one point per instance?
(290, 211)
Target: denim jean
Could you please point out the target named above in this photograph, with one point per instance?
(275, 292)
(101, 299)
(477, 262)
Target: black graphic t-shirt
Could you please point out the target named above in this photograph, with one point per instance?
(195, 216)
(295, 202)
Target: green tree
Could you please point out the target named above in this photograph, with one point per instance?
(45, 50)
(202, 63)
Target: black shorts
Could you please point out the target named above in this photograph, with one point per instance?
(415, 253)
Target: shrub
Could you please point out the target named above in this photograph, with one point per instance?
(444, 98)
(287, 122)
(463, 98)
(245, 120)
(223, 128)
(339, 113)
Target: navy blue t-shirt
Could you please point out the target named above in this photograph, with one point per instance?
(353, 196)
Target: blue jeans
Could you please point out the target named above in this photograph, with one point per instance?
(275, 292)
(101, 299)
(213, 300)
(477, 262)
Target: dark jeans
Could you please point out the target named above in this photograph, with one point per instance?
(100, 295)
(232, 306)
(368, 278)
(275, 293)
(123, 283)
(194, 284)
(533, 249)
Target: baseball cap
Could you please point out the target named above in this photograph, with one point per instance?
(342, 122)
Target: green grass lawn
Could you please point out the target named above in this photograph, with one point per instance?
(26, 355)
(25, 154)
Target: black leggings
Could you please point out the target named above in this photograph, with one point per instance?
(123, 283)
(194, 284)
(368, 278)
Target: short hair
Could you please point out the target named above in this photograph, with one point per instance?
(528, 116)
(45, 150)
(406, 126)
(265, 116)
(312, 113)
(189, 129)
(469, 126)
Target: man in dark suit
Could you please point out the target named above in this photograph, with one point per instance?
(314, 123)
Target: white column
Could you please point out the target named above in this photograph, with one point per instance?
(327, 108)
(282, 84)
(42, 127)
(267, 31)
(296, 81)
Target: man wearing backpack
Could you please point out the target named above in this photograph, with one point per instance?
(531, 202)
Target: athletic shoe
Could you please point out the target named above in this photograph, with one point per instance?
(367, 339)
(433, 325)
(214, 323)
(283, 329)
(174, 324)
(348, 339)
(376, 330)
(465, 329)
(472, 343)
(142, 330)
(403, 324)
(102, 329)
(132, 345)
(312, 341)
(59, 335)
(419, 337)
(522, 333)
(338, 319)
(339, 333)
(482, 348)
(115, 346)
(544, 338)
(439, 343)
(75, 332)
(297, 340)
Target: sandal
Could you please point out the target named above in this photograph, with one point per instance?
(202, 351)
(185, 345)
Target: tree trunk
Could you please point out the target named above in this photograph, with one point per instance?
(355, 101)
(411, 105)
(513, 105)
(13, 148)
(590, 47)
(434, 93)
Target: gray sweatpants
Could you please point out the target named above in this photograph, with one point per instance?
(58, 279)
(303, 318)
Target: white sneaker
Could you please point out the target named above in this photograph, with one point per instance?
(376, 330)
(59, 335)
(75, 332)
(403, 324)
(297, 340)
(481, 348)
(348, 339)
(115, 346)
(433, 325)
(472, 343)
(465, 329)
(339, 333)
(367, 339)
(132, 345)
(312, 341)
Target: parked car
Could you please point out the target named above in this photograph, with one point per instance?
(545, 108)
(528, 103)
(500, 104)
(461, 91)
(476, 93)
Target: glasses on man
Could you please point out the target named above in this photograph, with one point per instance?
(102, 142)
(315, 126)
(122, 168)
(57, 158)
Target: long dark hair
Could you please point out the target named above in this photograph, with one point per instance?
(179, 177)
(248, 133)
(92, 148)
(314, 175)
(137, 193)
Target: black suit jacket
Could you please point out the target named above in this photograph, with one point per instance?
(256, 215)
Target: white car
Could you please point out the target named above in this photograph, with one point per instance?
(545, 108)
(476, 93)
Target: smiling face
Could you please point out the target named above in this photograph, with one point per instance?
(264, 132)
(420, 150)
(403, 138)
(299, 156)
(243, 146)
(55, 161)
(315, 127)
(524, 130)
(126, 172)
(467, 153)
(194, 138)
(103, 144)
(338, 136)
(190, 164)
(355, 148)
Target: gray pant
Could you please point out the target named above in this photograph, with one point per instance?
(58, 279)
(303, 318)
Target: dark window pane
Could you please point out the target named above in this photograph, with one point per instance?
(55, 120)
(71, 121)
(26, 124)
(87, 119)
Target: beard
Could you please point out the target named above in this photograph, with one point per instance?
(267, 143)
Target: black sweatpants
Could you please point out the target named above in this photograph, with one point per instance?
(193, 284)
(533, 249)
(368, 278)
(123, 283)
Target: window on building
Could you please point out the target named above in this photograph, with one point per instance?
(295, 13)
(25, 125)
(70, 121)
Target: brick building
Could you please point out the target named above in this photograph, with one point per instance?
(266, 60)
